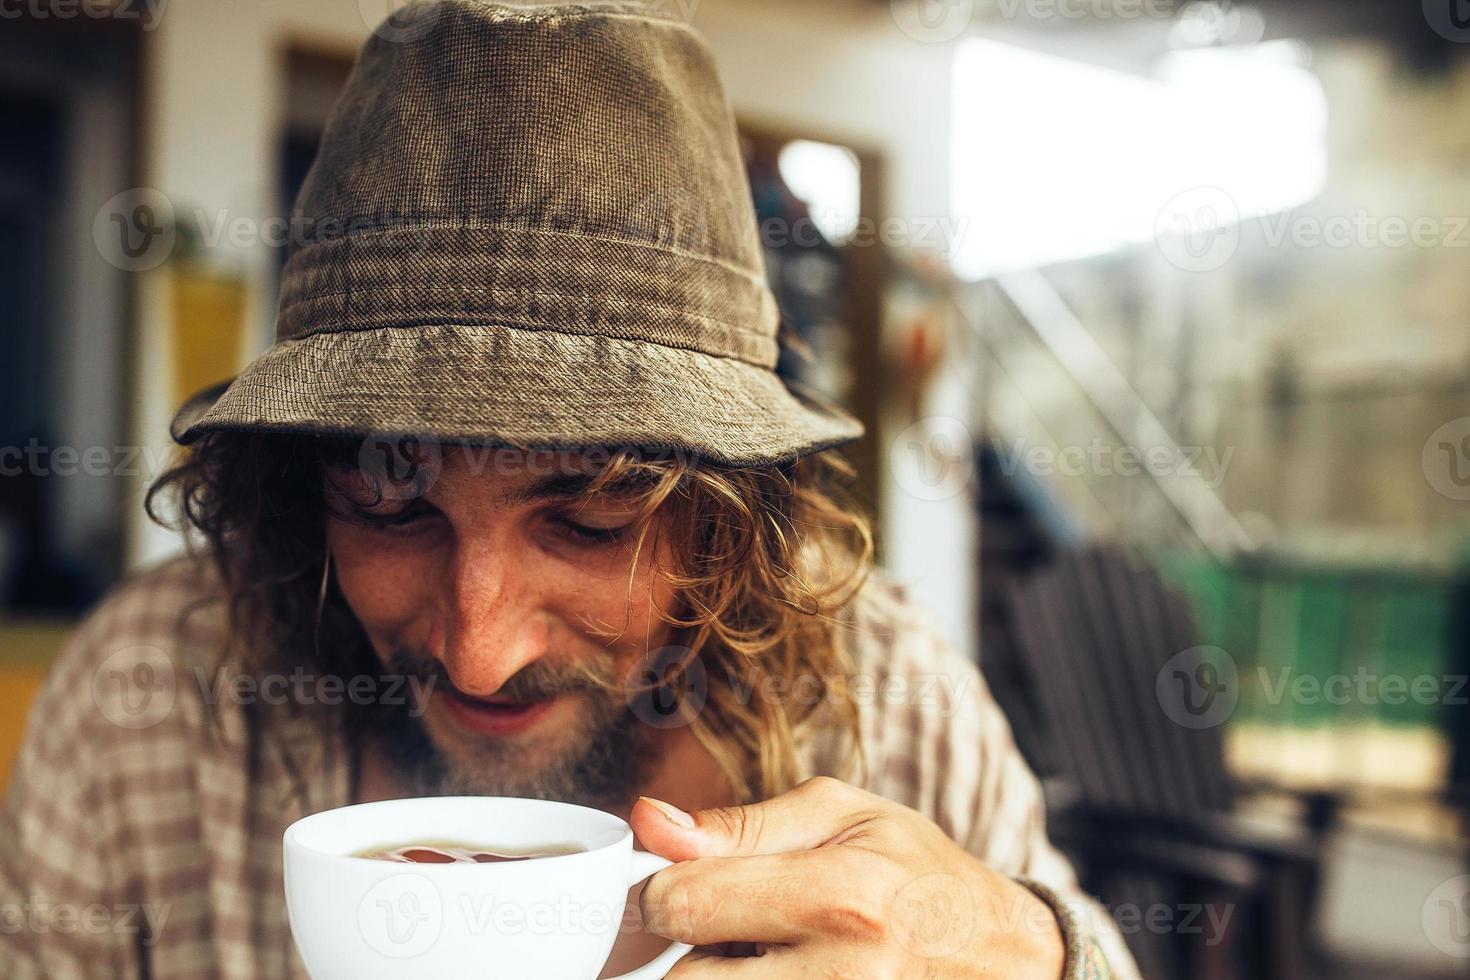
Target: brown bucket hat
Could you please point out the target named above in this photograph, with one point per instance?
(529, 226)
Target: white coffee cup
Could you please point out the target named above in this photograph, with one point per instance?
(359, 918)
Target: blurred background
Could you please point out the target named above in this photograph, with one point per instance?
(1158, 314)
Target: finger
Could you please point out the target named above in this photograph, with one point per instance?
(720, 900)
(806, 817)
(774, 898)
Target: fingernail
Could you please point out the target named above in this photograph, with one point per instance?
(673, 814)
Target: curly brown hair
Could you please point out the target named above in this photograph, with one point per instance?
(764, 558)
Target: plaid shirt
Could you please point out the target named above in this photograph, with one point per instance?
(142, 838)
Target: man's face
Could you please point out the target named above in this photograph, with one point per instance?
(522, 602)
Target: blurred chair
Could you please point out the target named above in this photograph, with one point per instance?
(1146, 806)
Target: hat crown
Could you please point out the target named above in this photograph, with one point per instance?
(569, 167)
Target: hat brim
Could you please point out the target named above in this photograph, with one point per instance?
(533, 388)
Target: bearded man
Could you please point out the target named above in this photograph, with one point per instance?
(517, 505)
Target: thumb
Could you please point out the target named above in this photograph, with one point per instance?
(806, 817)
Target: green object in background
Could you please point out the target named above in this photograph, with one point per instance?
(1322, 644)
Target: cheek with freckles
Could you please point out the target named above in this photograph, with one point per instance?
(389, 588)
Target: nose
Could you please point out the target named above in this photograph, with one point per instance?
(494, 624)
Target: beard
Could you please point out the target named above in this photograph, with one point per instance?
(603, 762)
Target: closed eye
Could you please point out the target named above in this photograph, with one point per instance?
(588, 534)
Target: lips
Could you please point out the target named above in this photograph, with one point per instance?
(493, 717)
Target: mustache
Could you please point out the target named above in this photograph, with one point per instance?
(537, 681)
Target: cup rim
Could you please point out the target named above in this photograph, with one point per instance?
(619, 827)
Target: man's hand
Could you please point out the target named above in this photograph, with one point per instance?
(829, 880)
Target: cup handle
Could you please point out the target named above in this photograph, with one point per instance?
(644, 864)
